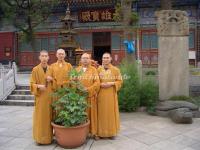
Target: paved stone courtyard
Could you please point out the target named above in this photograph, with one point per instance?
(139, 131)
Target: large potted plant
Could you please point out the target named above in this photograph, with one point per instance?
(70, 123)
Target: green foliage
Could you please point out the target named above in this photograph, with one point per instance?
(196, 101)
(134, 93)
(192, 66)
(180, 97)
(195, 73)
(134, 18)
(26, 15)
(151, 72)
(130, 1)
(129, 95)
(149, 95)
(118, 15)
(71, 105)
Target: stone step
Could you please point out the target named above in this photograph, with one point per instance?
(24, 72)
(17, 102)
(22, 87)
(21, 92)
(20, 97)
(195, 94)
(195, 90)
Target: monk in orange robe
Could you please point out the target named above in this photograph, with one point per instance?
(60, 70)
(108, 111)
(40, 87)
(90, 80)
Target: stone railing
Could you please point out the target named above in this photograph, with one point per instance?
(7, 80)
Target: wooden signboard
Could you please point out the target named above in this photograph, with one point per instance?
(99, 15)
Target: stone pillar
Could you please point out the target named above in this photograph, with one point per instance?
(14, 67)
(173, 63)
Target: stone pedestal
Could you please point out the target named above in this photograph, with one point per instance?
(173, 65)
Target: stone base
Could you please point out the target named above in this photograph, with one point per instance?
(178, 111)
(168, 105)
(196, 114)
(181, 115)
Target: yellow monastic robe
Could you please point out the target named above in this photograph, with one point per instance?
(90, 81)
(42, 115)
(108, 111)
(59, 72)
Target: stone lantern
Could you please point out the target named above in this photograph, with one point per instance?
(69, 43)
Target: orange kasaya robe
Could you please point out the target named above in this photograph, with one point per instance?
(108, 111)
(59, 72)
(90, 81)
(42, 114)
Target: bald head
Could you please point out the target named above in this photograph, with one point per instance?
(43, 51)
(85, 59)
(85, 55)
(107, 54)
(60, 54)
(60, 51)
(106, 59)
(44, 57)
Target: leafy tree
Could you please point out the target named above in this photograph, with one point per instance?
(26, 15)
(129, 94)
(135, 92)
(128, 18)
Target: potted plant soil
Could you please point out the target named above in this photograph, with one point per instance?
(70, 123)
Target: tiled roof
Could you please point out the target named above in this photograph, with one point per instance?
(76, 5)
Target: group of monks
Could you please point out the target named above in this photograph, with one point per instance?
(102, 85)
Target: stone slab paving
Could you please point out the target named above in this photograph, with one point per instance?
(139, 131)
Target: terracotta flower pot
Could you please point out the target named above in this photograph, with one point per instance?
(71, 137)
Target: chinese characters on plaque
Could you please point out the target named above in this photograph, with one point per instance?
(96, 15)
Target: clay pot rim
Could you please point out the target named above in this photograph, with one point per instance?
(79, 126)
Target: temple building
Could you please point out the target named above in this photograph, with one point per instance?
(98, 33)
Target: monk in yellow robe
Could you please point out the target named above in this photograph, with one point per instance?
(108, 111)
(90, 80)
(60, 70)
(40, 87)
